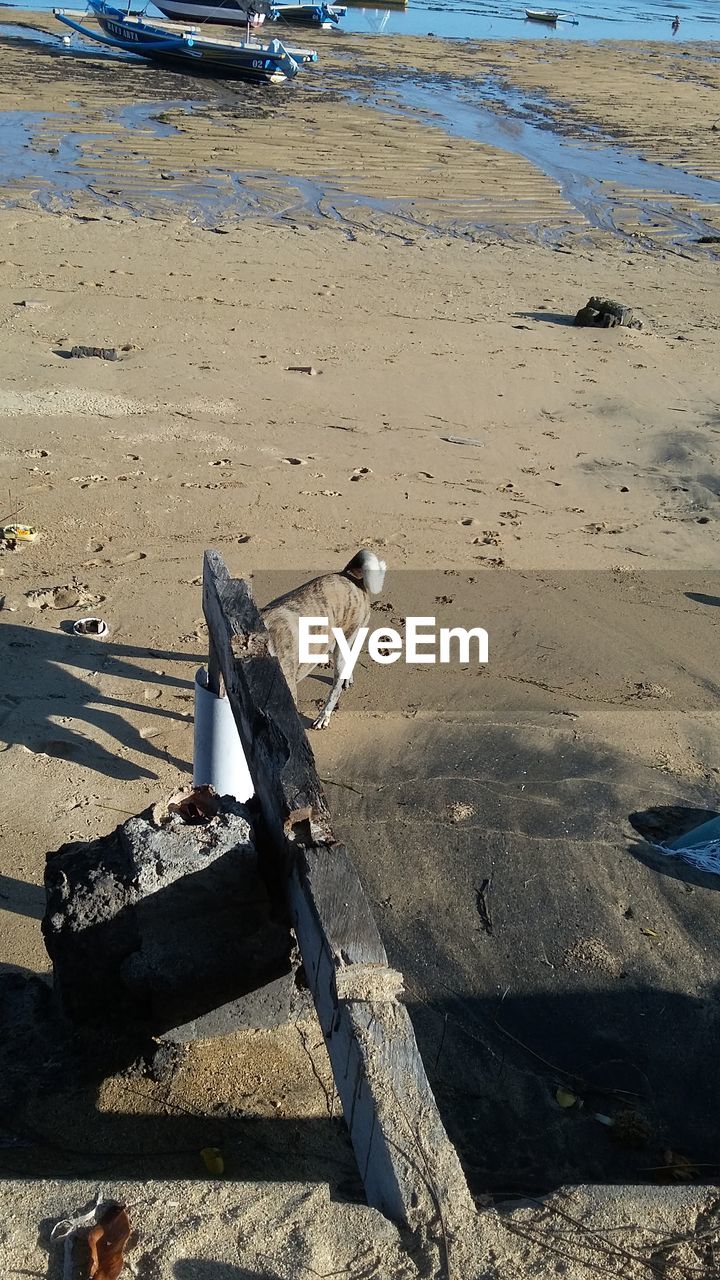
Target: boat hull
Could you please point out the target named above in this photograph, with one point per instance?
(228, 15)
(234, 15)
(310, 15)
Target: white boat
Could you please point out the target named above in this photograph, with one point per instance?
(551, 16)
(252, 13)
(229, 14)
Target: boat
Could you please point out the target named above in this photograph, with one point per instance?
(309, 15)
(376, 5)
(176, 45)
(550, 16)
(228, 13)
(236, 13)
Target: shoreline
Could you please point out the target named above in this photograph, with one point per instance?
(419, 21)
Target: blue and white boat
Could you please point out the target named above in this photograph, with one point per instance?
(187, 47)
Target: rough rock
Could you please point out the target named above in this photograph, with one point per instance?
(603, 313)
(164, 923)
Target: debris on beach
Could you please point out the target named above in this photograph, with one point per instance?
(107, 1241)
(463, 440)
(309, 369)
(213, 1161)
(11, 534)
(90, 627)
(108, 1231)
(566, 1098)
(100, 353)
(603, 313)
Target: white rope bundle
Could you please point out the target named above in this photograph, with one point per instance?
(705, 856)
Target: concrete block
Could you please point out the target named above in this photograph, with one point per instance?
(166, 921)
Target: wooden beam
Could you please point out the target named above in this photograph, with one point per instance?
(281, 764)
(409, 1167)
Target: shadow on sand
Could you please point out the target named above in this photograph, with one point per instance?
(42, 685)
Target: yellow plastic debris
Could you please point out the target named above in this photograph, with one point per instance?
(213, 1161)
(19, 533)
(565, 1098)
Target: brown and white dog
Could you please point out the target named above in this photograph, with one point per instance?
(344, 599)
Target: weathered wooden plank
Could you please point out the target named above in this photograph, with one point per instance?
(215, 682)
(340, 903)
(279, 757)
(409, 1167)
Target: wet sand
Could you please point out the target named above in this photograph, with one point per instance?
(430, 280)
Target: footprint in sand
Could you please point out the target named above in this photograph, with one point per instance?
(469, 521)
(53, 597)
(130, 558)
(86, 481)
(360, 472)
(295, 462)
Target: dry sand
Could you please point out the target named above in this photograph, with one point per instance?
(441, 313)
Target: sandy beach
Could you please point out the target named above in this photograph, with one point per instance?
(372, 224)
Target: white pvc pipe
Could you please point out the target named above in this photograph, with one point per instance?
(218, 757)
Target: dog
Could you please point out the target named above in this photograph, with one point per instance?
(344, 599)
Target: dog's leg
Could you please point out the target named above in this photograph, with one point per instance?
(322, 721)
(340, 685)
(348, 680)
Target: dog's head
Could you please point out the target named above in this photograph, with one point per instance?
(367, 571)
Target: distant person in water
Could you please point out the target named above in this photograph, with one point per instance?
(675, 25)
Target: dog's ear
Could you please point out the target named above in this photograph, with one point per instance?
(356, 568)
(367, 570)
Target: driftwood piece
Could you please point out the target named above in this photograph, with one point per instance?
(281, 763)
(409, 1167)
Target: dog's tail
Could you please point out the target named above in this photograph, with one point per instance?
(367, 569)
